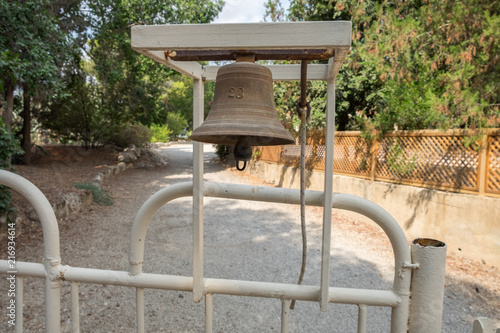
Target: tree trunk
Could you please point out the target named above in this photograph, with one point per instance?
(26, 126)
(8, 110)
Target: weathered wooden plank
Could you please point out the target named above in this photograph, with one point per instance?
(281, 72)
(245, 36)
(336, 63)
(191, 69)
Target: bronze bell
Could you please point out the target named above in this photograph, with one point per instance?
(243, 113)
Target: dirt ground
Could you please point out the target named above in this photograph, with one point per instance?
(56, 168)
(472, 288)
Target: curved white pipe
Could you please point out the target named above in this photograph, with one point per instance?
(143, 217)
(42, 207)
(50, 228)
(278, 195)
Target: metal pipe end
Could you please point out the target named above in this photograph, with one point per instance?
(428, 242)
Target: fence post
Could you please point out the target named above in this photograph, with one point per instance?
(373, 153)
(427, 286)
(483, 165)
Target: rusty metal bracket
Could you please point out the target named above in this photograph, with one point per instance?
(227, 55)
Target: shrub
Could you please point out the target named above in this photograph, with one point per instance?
(137, 135)
(8, 147)
(161, 133)
(99, 195)
(222, 151)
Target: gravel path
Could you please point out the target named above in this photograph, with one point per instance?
(243, 240)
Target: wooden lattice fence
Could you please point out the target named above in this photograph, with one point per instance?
(423, 158)
(493, 163)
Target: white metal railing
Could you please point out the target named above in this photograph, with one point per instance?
(54, 272)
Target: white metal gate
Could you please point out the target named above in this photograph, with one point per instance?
(426, 307)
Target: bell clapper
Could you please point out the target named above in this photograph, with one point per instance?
(242, 152)
(238, 165)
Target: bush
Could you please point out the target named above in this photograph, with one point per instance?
(8, 147)
(137, 135)
(222, 151)
(99, 196)
(161, 133)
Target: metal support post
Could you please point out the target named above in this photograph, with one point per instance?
(139, 301)
(285, 315)
(328, 195)
(427, 287)
(19, 303)
(209, 310)
(362, 310)
(75, 308)
(198, 115)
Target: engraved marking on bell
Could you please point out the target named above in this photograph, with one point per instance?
(235, 92)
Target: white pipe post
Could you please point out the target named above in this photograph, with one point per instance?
(427, 287)
(328, 196)
(198, 115)
(285, 315)
(209, 311)
(52, 300)
(75, 308)
(139, 301)
(19, 303)
(484, 325)
(362, 310)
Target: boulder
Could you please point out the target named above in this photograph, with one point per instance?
(127, 156)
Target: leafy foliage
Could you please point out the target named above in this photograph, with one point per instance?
(399, 164)
(222, 151)
(38, 41)
(99, 195)
(414, 64)
(161, 133)
(131, 86)
(179, 103)
(73, 60)
(8, 147)
(137, 135)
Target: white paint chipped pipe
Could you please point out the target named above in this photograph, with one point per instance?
(213, 286)
(427, 288)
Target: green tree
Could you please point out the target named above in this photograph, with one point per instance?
(415, 64)
(116, 86)
(8, 147)
(178, 101)
(131, 84)
(440, 65)
(355, 84)
(35, 48)
(77, 116)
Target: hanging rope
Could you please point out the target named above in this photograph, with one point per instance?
(304, 111)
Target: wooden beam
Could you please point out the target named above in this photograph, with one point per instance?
(191, 69)
(245, 36)
(281, 72)
(335, 63)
